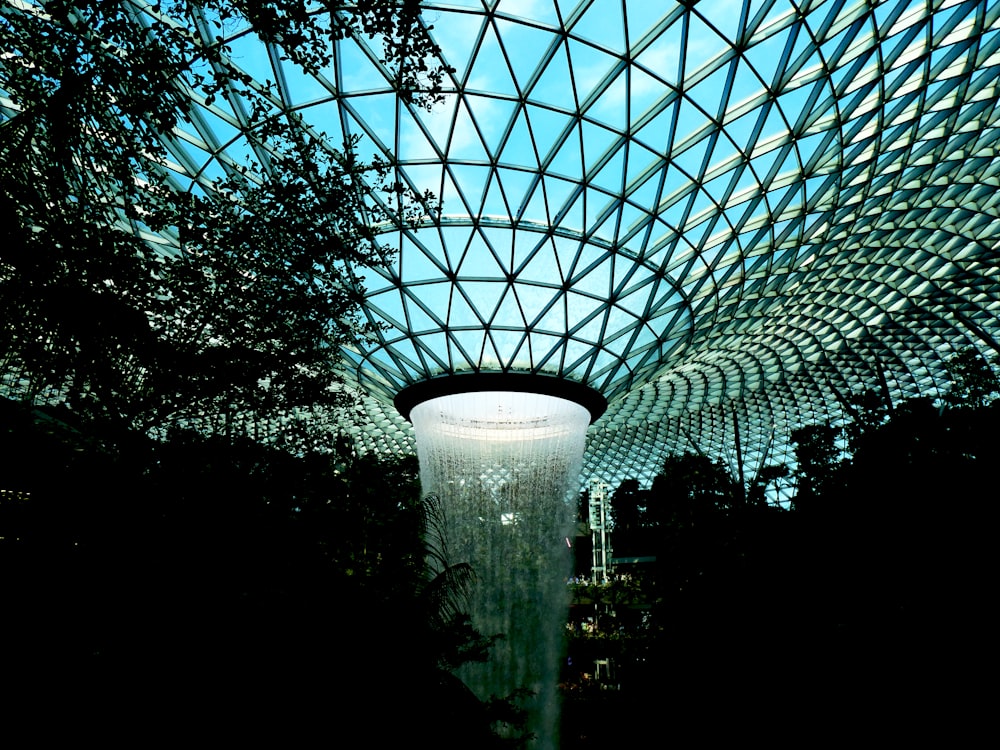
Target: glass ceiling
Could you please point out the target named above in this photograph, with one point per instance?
(720, 214)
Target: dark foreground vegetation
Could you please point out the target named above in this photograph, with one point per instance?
(197, 585)
(863, 607)
(202, 584)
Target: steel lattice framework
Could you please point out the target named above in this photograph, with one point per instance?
(722, 215)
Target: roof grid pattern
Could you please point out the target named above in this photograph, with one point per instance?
(699, 209)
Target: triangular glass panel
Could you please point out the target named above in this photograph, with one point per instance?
(763, 57)
(617, 321)
(611, 106)
(520, 357)
(790, 169)
(722, 15)
(388, 306)
(508, 312)
(548, 129)
(568, 159)
(740, 130)
(646, 195)
(484, 296)
(355, 68)
(642, 162)
(434, 348)
(465, 142)
(490, 71)
(415, 266)
(536, 209)
(804, 56)
(501, 240)
(449, 195)
(543, 346)
(631, 218)
(429, 243)
(542, 265)
(577, 356)
(662, 58)
(467, 348)
(571, 216)
(534, 300)
(491, 358)
(636, 299)
(607, 231)
(557, 193)
(413, 142)
(597, 142)
(491, 116)
(434, 297)
(372, 142)
(453, 33)
(602, 24)
(590, 68)
(525, 47)
(710, 93)
(691, 123)
(555, 84)
(703, 45)
(405, 355)
(554, 319)
(518, 150)
(611, 177)
(495, 202)
(460, 312)
(691, 159)
(456, 240)
(418, 319)
(658, 134)
(516, 184)
(592, 261)
(480, 262)
(645, 93)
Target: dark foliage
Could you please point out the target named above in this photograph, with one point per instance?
(865, 607)
(199, 585)
(237, 319)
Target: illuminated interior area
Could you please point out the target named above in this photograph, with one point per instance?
(504, 465)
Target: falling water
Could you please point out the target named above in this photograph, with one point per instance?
(504, 465)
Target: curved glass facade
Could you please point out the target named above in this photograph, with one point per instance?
(720, 215)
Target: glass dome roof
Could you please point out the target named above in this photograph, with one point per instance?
(720, 215)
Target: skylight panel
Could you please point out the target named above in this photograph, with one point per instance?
(610, 107)
(418, 319)
(661, 58)
(519, 147)
(591, 69)
(491, 70)
(508, 311)
(611, 177)
(463, 139)
(524, 47)
(456, 34)
(494, 202)
(516, 184)
(461, 314)
(603, 24)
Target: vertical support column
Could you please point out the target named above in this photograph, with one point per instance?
(601, 535)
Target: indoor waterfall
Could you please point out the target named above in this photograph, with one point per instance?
(505, 465)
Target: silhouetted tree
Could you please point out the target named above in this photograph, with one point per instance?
(817, 461)
(973, 380)
(205, 583)
(765, 477)
(238, 320)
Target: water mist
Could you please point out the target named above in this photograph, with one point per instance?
(506, 467)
